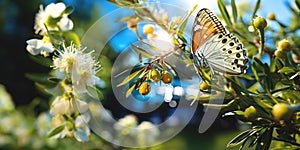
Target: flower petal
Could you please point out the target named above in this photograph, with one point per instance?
(55, 10)
(66, 24)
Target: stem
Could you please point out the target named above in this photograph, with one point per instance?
(286, 141)
(262, 43)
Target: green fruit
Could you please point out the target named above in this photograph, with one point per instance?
(280, 54)
(154, 75)
(281, 111)
(250, 112)
(166, 77)
(144, 88)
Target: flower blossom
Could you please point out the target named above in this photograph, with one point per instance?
(64, 105)
(79, 65)
(53, 18)
(37, 46)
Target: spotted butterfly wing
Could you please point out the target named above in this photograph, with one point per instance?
(214, 47)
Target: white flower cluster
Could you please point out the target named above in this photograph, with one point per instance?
(52, 18)
(145, 133)
(74, 67)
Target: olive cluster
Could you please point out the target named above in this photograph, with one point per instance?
(155, 76)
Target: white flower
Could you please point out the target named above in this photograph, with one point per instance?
(126, 125)
(6, 103)
(40, 20)
(129, 121)
(36, 46)
(65, 24)
(45, 17)
(63, 105)
(81, 66)
(147, 133)
(82, 131)
(55, 10)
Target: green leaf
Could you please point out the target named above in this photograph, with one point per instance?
(264, 140)
(239, 139)
(256, 8)
(127, 18)
(94, 92)
(181, 29)
(47, 62)
(141, 51)
(286, 70)
(297, 4)
(129, 78)
(71, 36)
(234, 10)
(56, 131)
(54, 80)
(224, 12)
(129, 91)
(247, 76)
(68, 10)
(38, 77)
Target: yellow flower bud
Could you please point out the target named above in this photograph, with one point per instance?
(281, 111)
(144, 88)
(284, 45)
(260, 22)
(148, 29)
(271, 16)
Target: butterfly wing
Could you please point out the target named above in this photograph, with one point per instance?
(212, 44)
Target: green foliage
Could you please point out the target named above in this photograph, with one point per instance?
(263, 86)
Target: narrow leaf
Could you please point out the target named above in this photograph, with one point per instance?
(264, 140)
(41, 60)
(224, 12)
(181, 28)
(56, 131)
(297, 4)
(129, 91)
(286, 70)
(68, 10)
(239, 139)
(141, 51)
(256, 8)
(129, 78)
(94, 92)
(234, 10)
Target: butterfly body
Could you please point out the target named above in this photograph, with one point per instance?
(214, 47)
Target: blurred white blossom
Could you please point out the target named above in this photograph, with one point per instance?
(6, 103)
(36, 46)
(82, 130)
(147, 133)
(55, 10)
(52, 17)
(65, 105)
(66, 24)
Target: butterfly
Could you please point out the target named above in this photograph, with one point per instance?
(215, 48)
